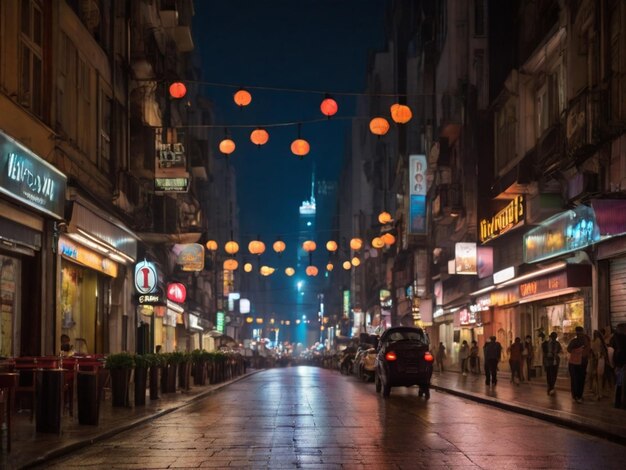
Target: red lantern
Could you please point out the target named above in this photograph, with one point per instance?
(309, 246)
(178, 90)
(401, 113)
(279, 246)
(259, 137)
(230, 264)
(311, 271)
(227, 146)
(379, 126)
(176, 292)
(256, 247)
(211, 245)
(300, 147)
(242, 98)
(329, 107)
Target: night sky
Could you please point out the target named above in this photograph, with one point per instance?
(317, 45)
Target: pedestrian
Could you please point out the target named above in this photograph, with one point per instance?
(618, 343)
(67, 350)
(474, 359)
(464, 354)
(551, 350)
(597, 364)
(492, 351)
(515, 360)
(440, 356)
(528, 356)
(578, 349)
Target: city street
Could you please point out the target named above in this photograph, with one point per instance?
(308, 417)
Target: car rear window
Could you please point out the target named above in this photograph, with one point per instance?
(414, 335)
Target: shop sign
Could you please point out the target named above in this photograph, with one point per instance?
(506, 296)
(171, 161)
(438, 291)
(194, 323)
(146, 277)
(30, 179)
(171, 185)
(417, 194)
(176, 292)
(385, 298)
(346, 303)
(508, 218)
(244, 306)
(545, 284)
(189, 256)
(470, 259)
(504, 275)
(220, 322)
(87, 257)
(568, 231)
(151, 299)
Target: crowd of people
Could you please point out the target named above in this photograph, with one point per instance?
(595, 364)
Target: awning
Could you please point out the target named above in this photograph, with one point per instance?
(610, 216)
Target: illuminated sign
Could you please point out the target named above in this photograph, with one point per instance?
(189, 256)
(151, 299)
(504, 275)
(30, 179)
(87, 257)
(171, 185)
(176, 292)
(146, 277)
(417, 194)
(220, 322)
(465, 258)
(509, 217)
(170, 173)
(506, 296)
(346, 303)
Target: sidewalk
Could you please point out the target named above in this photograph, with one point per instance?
(595, 417)
(30, 448)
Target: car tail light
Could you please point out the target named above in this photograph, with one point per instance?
(391, 356)
(428, 357)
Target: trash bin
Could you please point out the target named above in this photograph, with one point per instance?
(87, 394)
(49, 398)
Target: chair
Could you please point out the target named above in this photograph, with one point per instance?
(8, 383)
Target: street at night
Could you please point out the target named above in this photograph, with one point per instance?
(314, 418)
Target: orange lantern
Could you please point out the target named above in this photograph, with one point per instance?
(231, 264)
(242, 97)
(329, 107)
(266, 270)
(249, 319)
(311, 271)
(379, 126)
(227, 146)
(331, 246)
(389, 239)
(401, 113)
(279, 246)
(300, 147)
(355, 261)
(384, 217)
(309, 246)
(178, 90)
(290, 271)
(347, 265)
(378, 242)
(330, 267)
(259, 137)
(256, 247)
(211, 245)
(247, 267)
(231, 247)
(356, 244)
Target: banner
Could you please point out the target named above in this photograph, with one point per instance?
(417, 194)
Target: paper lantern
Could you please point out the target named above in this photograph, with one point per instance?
(211, 245)
(329, 107)
(259, 137)
(379, 126)
(300, 147)
(227, 146)
(242, 97)
(279, 246)
(266, 270)
(347, 265)
(355, 261)
(389, 239)
(311, 271)
(401, 113)
(178, 90)
(247, 267)
(356, 244)
(330, 267)
(231, 247)
(331, 246)
(384, 217)
(378, 242)
(290, 271)
(249, 319)
(256, 247)
(230, 264)
(309, 246)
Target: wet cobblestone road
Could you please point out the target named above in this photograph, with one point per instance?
(307, 417)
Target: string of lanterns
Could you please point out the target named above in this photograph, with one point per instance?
(379, 126)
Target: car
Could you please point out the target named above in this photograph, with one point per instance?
(403, 359)
(364, 363)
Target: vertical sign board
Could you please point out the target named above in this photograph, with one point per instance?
(346, 303)
(146, 277)
(465, 258)
(417, 194)
(220, 322)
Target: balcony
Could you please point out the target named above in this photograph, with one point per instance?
(447, 205)
(585, 123)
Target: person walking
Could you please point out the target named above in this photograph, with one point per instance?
(474, 359)
(618, 343)
(528, 355)
(578, 350)
(464, 354)
(440, 356)
(551, 350)
(515, 360)
(597, 364)
(492, 352)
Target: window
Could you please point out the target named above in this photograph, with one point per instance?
(104, 149)
(83, 116)
(506, 135)
(549, 100)
(30, 91)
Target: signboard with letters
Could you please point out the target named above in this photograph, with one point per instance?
(508, 218)
(146, 277)
(170, 174)
(189, 256)
(417, 194)
(87, 257)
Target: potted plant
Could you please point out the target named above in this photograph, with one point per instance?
(156, 365)
(120, 365)
(142, 364)
(174, 360)
(184, 371)
(199, 358)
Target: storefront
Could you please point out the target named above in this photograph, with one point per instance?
(32, 196)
